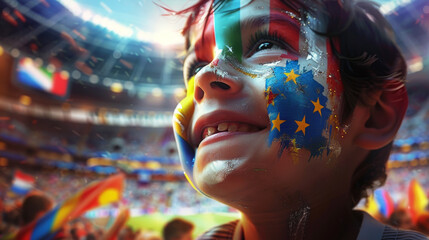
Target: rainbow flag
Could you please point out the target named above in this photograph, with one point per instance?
(95, 195)
(385, 202)
(417, 199)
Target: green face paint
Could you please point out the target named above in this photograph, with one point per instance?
(227, 29)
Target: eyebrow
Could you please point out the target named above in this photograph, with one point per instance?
(276, 17)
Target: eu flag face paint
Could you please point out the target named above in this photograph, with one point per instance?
(260, 81)
(297, 109)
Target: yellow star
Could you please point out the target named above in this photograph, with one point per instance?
(302, 125)
(317, 107)
(291, 76)
(277, 122)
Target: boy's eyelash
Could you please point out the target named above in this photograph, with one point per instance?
(265, 35)
(191, 68)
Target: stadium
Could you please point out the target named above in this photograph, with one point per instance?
(88, 90)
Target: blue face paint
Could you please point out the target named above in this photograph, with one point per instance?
(297, 109)
(186, 154)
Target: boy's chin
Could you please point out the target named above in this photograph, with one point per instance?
(256, 176)
(221, 178)
(241, 185)
(226, 176)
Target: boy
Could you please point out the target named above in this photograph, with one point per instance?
(290, 115)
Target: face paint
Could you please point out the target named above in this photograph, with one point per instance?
(298, 109)
(181, 120)
(335, 86)
(296, 99)
(226, 35)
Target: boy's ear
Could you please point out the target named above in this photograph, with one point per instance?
(379, 119)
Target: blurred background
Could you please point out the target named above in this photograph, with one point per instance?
(88, 89)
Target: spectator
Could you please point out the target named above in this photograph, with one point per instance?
(401, 218)
(34, 206)
(423, 223)
(178, 229)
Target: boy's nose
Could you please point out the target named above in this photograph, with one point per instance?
(212, 83)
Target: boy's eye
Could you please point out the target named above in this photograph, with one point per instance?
(197, 68)
(265, 45)
(266, 51)
(194, 69)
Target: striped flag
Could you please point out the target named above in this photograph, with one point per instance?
(40, 78)
(93, 196)
(385, 202)
(22, 183)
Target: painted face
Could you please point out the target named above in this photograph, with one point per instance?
(262, 94)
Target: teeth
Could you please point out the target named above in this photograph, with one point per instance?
(222, 127)
(232, 128)
(211, 131)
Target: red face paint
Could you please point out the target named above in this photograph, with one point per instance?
(205, 44)
(285, 23)
(333, 72)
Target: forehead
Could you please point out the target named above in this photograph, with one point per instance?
(228, 20)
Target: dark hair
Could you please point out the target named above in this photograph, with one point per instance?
(176, 228)
(369, 60)
(33, 205)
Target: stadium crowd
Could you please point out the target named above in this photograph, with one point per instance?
(172, 198)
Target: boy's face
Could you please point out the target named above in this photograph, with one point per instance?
(262, 102)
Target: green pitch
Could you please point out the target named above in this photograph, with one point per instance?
(202, 222)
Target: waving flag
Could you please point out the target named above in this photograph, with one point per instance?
(417, 199)
(371, 206)
(22, 183)
(95, 195)
(385, 202)
(40, 78)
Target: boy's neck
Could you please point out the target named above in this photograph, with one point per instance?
(330, 220)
